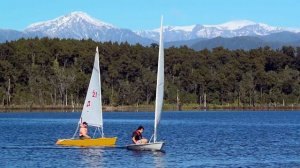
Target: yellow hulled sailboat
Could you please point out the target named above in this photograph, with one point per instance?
(91, 113)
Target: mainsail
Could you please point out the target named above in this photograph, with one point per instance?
(92, 109)
(160, 83)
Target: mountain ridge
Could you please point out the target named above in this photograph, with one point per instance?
(79, 25)
(228, 29)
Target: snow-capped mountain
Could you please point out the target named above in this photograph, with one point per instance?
(229, 29)
(79, 25)
(76, 25)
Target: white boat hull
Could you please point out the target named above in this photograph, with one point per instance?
(156, 146)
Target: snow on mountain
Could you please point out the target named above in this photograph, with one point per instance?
(233, 25)
(79, 25)
(171, 33)
(294, 30)
(67, 21)
(228, 29)
(76, 24)
(177, 28)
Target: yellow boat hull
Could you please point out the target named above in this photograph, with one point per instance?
(88, 142)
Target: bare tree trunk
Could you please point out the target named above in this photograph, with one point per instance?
(72, 102)
(8, 93)
(40, 97)
(250, 99)
(66, 96)
(55, 97)
(52, 99)
(261, 96)
(178, 101)
(253, 102)
(200, 100)
(148, 96)
(137, 106)
(112, 95)
(204, 103)
(239, 99)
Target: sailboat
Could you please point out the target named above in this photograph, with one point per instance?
(155, 145)
(91, 113)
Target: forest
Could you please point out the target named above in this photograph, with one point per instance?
(57, 71)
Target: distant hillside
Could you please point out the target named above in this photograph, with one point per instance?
(8, 35)
(185, 42)
(233, 43)
(275, 40)
(285, 37)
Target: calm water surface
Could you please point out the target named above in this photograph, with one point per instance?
(193, 139)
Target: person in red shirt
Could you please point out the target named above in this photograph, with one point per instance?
(137, 137)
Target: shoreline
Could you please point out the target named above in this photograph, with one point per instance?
(145, 108)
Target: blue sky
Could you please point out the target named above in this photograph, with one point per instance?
(145, 14)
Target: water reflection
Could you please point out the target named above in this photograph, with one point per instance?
(92, 157)
(155, 157)
(158, 159)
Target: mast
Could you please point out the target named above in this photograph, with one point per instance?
(160, 83)
(100, 94)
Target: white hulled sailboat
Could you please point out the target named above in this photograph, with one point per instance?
(155, 145)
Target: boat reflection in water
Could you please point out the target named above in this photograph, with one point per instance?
(92, 157)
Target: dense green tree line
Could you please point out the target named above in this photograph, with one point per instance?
(57, 72)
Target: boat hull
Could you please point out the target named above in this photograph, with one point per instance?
(156, 146)
(88, 142)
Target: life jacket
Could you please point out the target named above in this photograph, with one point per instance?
(137, 135)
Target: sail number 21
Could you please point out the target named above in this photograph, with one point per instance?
(94, 93)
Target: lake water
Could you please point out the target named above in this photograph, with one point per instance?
(193, 139)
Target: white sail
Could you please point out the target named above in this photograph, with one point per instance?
(92, 109)
(160, 83)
